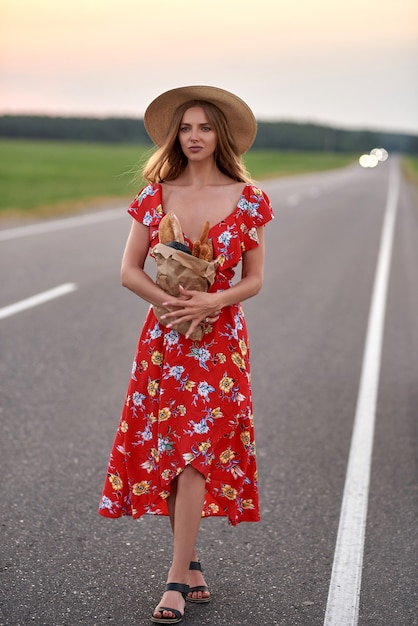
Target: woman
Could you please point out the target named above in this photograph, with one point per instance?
(185, 443)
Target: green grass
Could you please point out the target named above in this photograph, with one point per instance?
(38, 175)
(410, 168)
(269, 163)
(51, 177)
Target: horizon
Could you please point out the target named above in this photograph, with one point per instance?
(299, 122)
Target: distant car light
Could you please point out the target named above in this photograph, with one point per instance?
(368, 160)
(380, 153)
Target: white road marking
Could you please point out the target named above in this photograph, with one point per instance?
(344, 591)
(62, 224)
(39, 298)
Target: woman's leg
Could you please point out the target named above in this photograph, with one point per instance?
(196, 578)
(185, 507)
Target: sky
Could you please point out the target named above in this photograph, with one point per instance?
(350, 64)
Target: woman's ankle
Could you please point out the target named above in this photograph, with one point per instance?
(178, 575)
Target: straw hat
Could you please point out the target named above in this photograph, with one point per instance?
(240, 118)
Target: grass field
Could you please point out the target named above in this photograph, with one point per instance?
(52, 177)
(410, 168)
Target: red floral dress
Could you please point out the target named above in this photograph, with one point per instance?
(189, 402)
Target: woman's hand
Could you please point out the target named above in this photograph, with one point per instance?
(195, 307)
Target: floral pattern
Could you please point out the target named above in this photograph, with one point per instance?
(189, 402)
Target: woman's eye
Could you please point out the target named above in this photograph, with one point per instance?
(206, 128)
(184, 129)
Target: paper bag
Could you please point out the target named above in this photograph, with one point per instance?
(175, 268)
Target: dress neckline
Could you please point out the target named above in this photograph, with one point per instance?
(225, 219)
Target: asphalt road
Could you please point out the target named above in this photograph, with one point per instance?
(64, 367)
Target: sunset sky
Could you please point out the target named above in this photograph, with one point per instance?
(350, 64)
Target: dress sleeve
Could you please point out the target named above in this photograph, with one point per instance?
(254, 210)
(146, 207)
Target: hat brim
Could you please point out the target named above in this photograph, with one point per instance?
(240, 119)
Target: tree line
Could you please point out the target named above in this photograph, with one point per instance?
(271, 135)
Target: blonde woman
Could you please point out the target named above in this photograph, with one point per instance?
(185, 444)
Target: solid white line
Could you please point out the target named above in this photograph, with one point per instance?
(344, 591)
(62, 224)
(39, 298)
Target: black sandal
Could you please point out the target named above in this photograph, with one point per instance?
(195, 565)
(183, 589)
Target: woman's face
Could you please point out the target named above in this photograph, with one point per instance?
(196, 135)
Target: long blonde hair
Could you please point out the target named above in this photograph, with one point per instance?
(169, 161)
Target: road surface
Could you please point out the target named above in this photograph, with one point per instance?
(65, 362)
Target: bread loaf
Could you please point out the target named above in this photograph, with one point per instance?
(196, 249)
(202, 247)
(169, 229)
(206, 252)
(204, 233)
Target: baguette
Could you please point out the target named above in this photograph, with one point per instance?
(204, 233)
(202, 247)
(196, 249)
(169, 229)
(206, 252)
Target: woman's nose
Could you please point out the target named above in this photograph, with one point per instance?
(194, 134)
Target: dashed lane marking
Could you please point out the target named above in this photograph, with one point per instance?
(37, 299)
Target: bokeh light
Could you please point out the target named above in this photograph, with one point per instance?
(380, 153)
(375, 156)
(368, 160)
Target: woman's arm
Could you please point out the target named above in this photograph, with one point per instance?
(200, 305)
(132, 272)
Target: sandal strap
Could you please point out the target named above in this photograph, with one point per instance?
(195, 565)
(177, 613)
(198, 588)
(183, 589)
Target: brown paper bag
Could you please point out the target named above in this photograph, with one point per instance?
(175, 268)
